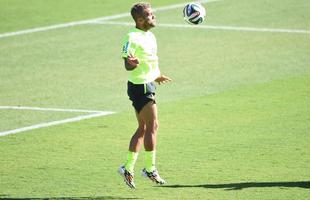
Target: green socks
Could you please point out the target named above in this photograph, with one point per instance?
(131, 161)
(149, 161)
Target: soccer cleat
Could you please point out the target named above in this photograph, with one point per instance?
(153, 176)
(127, 176)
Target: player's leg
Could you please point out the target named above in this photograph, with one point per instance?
(138, 137)
(127, 170)
(149, 115)
(135, 145)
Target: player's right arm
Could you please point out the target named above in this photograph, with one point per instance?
(129, 49)
(130, 62)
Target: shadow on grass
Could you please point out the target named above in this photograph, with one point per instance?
(240, 186)
(2, 197)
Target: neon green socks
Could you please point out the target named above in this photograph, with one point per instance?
(150, 160)
(131, 161)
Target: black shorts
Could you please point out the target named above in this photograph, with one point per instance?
(141, 94)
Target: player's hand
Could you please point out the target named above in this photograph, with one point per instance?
(133, 61)
(162, 79)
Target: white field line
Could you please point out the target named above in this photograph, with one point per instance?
(228, 28)
(88, 21)
(46, 109)
(65, 25)
(52, 123)
(181, 5)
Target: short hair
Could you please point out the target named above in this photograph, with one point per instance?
(138, 10)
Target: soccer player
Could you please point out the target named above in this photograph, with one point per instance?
(140, 59)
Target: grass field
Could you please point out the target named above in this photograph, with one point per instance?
(234, 122)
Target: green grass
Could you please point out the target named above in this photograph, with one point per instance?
(16, 15)
(248, 138)
(234, 122)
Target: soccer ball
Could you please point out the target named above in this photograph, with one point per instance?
(194, 13)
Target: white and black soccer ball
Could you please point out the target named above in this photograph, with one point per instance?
(194, 13)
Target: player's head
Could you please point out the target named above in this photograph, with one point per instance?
(143, 15)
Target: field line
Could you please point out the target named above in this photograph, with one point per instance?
(92, 114)
(65, 25)
(180, 5)
(54, 123)
(214, 27)
(88, 21)
(46, 109)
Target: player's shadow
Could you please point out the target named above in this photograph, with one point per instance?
(240, 186)
(2, 197)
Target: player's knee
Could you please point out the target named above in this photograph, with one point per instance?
(142, 129)
(153, 126)
(156, 126)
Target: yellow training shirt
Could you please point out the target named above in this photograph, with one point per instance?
(143, 46)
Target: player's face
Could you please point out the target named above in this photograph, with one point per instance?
(149, 19)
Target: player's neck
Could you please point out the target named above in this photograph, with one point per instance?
(145, 29)
(141, 29)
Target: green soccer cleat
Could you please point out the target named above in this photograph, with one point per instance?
(127, 176)
(153, 176)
